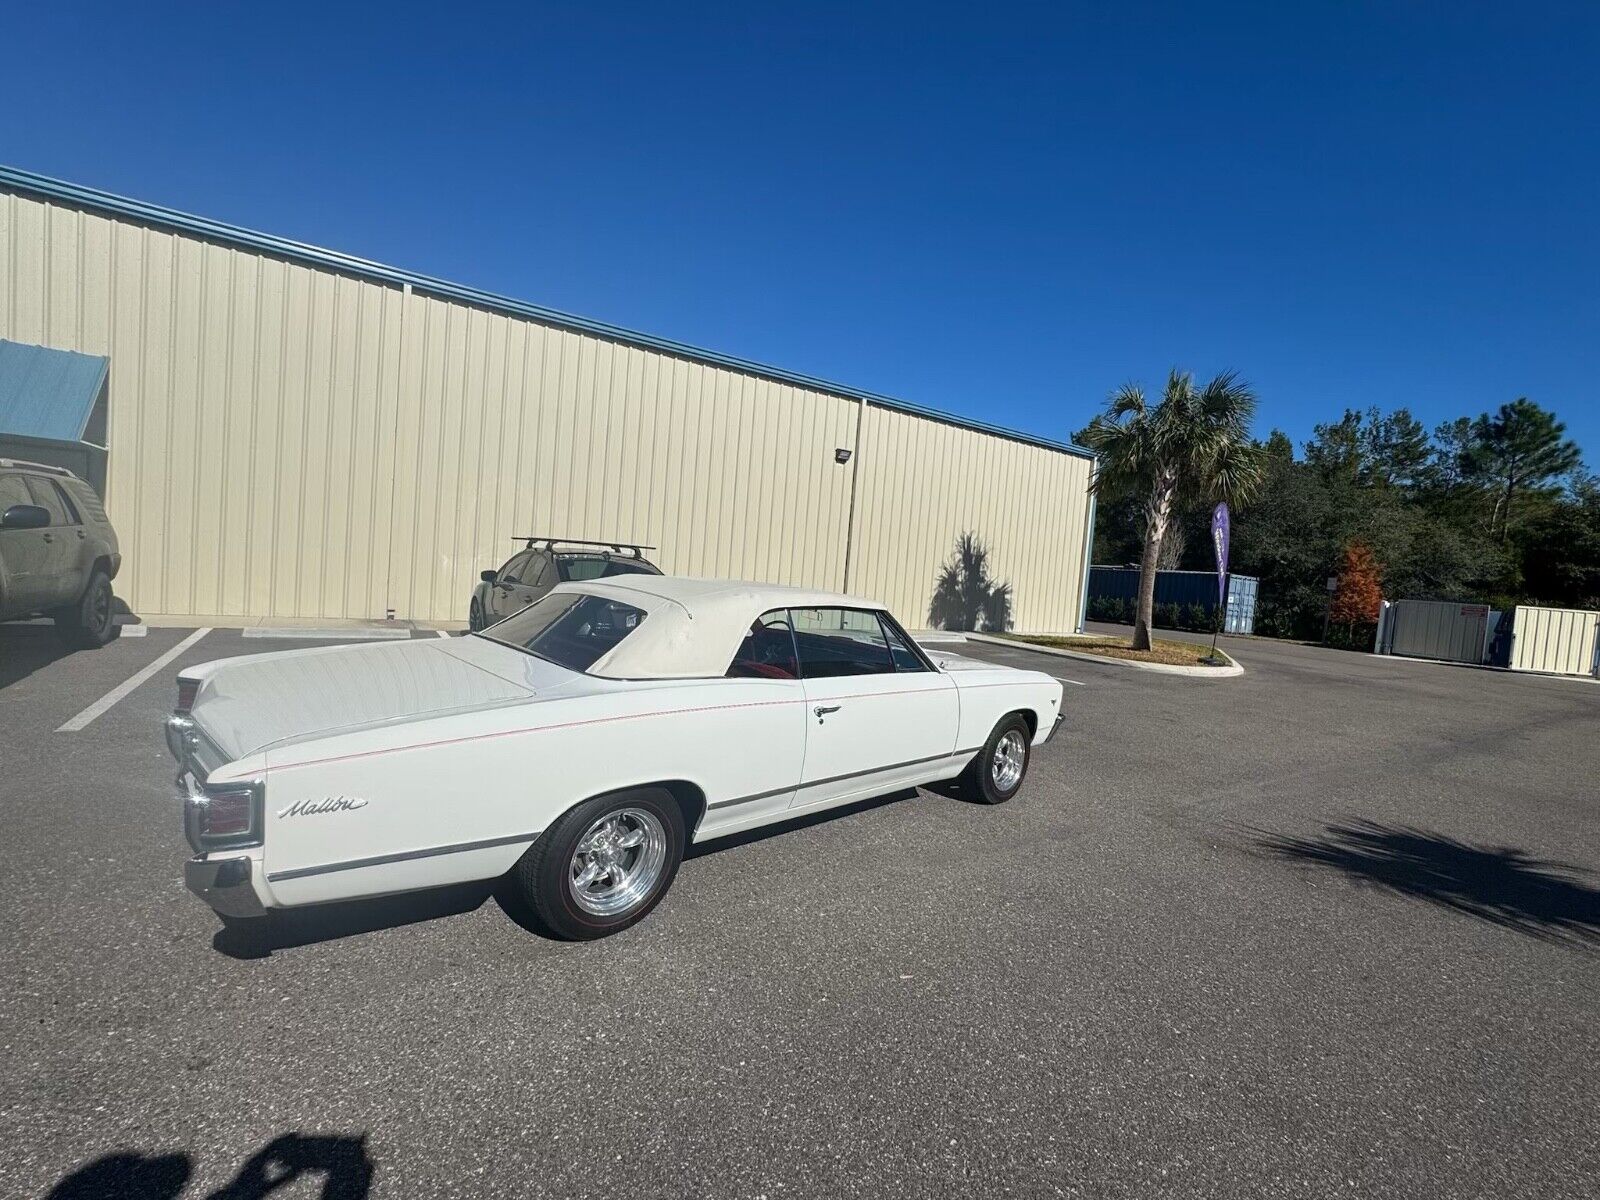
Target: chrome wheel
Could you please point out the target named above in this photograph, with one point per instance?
(1010, 757)
(618, 862)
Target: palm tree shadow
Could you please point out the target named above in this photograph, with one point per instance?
(964, 594)
(342, 1163)
(1498, 884)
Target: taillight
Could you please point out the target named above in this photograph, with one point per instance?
(187, 689)
(227, 815)
(222, 816)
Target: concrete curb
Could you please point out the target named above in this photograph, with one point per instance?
(1160, 668)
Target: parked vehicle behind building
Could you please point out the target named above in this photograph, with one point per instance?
(58, 552)
(544, 562)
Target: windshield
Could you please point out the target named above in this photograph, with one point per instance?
(569, 629)
(578, 568)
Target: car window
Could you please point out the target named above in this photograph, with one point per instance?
(514, 568)
(840, 641)
(13, 491)
(629, 566)
(767, 651)
(66, 502)
(570, 629)
(534, 574)
(579, 569)
(905, 658)
(46, 497)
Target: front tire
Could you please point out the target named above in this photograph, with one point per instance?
(603, 865)
(997, 773)
(475, 617)
(91, 622)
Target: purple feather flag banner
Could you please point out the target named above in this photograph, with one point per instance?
(1219, 539)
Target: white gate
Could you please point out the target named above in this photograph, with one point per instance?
(1561, 641)
(1441, 629)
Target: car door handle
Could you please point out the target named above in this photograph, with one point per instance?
(823, 710)
(49, 537)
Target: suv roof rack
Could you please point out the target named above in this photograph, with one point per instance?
(532, 539)
(47, 468)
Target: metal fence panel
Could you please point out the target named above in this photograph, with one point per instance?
(1560, 641)
(1442, 629)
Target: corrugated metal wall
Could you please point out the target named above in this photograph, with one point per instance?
(1442, 629)
(1558, 640)
(924, 483)
(294, 443)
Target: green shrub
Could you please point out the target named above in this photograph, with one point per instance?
(1166, 615)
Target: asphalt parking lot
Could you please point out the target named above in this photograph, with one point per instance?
(1329, 928)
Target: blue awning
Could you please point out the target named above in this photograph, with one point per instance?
(49, 394)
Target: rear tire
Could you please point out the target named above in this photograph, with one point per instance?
(603, 865)
(91, 621)
(997, 773)
(475, 617)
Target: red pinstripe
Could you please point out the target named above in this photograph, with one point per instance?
(670, 712)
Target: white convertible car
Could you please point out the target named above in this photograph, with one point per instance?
(575, 747)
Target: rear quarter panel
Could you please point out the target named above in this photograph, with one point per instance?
(421, 792)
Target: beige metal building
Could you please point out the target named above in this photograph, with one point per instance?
(297, 434)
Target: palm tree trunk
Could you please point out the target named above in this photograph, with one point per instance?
(1156, 515)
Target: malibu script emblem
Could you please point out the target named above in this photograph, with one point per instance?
(310, 808)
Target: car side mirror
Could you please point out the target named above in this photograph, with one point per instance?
(25, 516)
(487, 576)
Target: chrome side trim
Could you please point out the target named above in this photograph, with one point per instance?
(1055, 727)
(379, 860)
(910, 762)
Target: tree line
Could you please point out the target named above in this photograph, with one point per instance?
(1495, 508)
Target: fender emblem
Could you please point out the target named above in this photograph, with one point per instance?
(307, 808)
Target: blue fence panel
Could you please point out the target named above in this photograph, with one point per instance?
(1183, 588)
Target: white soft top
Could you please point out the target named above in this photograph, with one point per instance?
(693, 626)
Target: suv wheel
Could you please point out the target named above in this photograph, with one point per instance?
(91, 621)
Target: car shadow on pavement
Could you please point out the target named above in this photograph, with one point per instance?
(1498, 884)
(343, 1163)
(291, 927)
(25, 649)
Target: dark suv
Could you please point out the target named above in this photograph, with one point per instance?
(58, 552)
(544, 562)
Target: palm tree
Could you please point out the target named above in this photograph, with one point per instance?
(1194, 446)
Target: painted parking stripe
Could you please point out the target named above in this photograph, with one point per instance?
(444, 633)
(354, 634)
(1074, 682)
(122, 689)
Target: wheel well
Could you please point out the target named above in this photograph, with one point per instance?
(690, 799)
(1030, 717)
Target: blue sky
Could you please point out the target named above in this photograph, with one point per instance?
(998, 211)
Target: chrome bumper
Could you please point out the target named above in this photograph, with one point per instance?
(224, 884)
(1054, 728)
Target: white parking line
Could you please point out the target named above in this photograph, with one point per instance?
(444, 633)
(122, 689)
(1074, 682)
(353, 634)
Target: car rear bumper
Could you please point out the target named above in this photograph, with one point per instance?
(225, 884)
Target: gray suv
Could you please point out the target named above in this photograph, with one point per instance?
(544, 562)
(58, 552)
